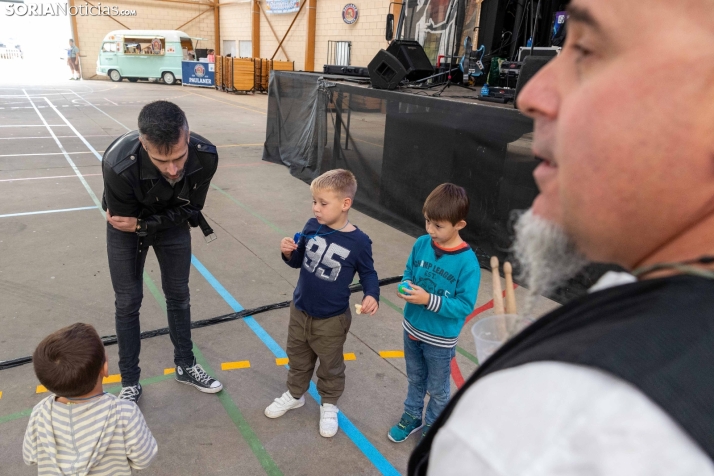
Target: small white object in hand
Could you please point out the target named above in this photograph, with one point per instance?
(358, 308)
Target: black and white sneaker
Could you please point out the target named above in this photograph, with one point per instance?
(198, 377)
(132, 393)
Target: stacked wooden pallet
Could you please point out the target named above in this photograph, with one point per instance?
(227, 74)
(244, 74)
(219, 72)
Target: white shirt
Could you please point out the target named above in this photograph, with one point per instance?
(557, 419)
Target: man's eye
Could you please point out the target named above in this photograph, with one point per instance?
(582, 52)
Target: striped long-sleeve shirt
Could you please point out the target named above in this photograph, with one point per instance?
(102, 437)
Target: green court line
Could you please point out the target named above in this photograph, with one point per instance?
(116, 389)
(471, 357)
(239, 420)
(224, 397)
(250, 210)
(460, 350)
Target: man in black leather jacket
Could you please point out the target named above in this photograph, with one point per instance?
(155, 184)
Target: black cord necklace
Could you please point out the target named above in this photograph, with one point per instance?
(684, 267)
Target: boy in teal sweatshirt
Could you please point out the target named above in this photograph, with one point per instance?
(444, 274)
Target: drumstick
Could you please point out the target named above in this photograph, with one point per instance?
(497, 292)
(510, 294)
(498, 299)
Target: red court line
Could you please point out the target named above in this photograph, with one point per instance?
(456, 373)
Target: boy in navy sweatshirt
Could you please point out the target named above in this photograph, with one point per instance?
(328, 251)
(444, 275)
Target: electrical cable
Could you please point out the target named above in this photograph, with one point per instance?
(112, 339)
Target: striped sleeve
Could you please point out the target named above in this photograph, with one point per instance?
(29, 445)
(434, 304)
(141, 446)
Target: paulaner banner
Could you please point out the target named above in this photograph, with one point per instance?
(282, 6)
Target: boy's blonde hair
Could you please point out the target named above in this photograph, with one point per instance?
(340, 181)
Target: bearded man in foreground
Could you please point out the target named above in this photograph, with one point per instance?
(617, 382)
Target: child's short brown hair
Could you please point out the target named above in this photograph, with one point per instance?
(340, 181)
(447, 202)
(68, 361)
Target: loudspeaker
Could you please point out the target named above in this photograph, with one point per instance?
(531, 66)
(412, 56)
(385, 71)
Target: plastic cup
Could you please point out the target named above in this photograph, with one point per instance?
(492, 332)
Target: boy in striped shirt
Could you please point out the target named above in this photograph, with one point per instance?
(443, 274)
(80, 429)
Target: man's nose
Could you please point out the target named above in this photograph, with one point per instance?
(172, 169)
(539, 98)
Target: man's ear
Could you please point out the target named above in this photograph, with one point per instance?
(460, 225)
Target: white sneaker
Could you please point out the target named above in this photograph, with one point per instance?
(280, 406)
(328, 420)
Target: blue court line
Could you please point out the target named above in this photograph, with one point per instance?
(364, 445)
(47, 211)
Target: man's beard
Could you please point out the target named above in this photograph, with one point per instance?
(173, 182)
(547, 255)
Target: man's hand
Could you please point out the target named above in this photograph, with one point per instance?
(416, 295)
(127, 224)
(369, 305)
(287, 246)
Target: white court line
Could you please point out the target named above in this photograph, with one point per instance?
(50, 137)
(48, 153)
(109, 100)
(69, 160)
(40, 125)
(97, 154)
(49, 211)
(95, 107)
(45, 178)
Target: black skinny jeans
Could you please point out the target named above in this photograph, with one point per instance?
(173, 251)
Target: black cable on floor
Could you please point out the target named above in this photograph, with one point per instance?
(112, 339)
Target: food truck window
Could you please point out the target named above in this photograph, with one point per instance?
(144, 46)
(187, 48)
(110, 47)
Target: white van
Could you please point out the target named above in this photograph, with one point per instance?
(144, 54)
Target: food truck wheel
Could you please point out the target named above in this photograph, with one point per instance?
(133, 80)
(168, 77)
(115, 76)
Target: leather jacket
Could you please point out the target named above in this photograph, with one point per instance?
(134, 187)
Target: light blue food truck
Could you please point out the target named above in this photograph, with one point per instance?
(145, 54)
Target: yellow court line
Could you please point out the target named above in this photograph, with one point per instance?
(41, 389)
(0, 395)
(169, 371)
(111, 379)
(242, 364)
(391, 354)
(282, 361)
(230, 104)
(350, 356)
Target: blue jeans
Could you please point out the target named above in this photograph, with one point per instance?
(428, 369)
(173, 251)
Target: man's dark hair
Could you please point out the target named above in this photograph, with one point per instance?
(162, 124)
(71, 40)
(447, 202)
(68, 361)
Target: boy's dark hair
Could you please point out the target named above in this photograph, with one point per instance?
(68, 361)
(447, 202)
(162, 124)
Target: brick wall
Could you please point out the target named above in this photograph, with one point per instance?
(151, 15)
(366, 35)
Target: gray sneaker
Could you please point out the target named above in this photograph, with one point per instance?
(198, 377)
(131, 393)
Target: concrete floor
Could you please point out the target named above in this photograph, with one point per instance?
(54, 272)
